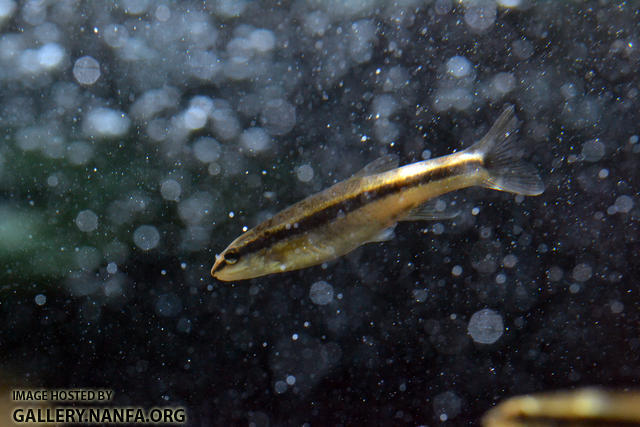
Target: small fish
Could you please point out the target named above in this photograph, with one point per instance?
(366, 207)
(581, 407)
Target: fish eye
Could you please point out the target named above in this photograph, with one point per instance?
(231, 257)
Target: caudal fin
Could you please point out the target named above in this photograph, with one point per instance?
(506, 172)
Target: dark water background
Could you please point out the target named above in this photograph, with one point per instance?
(139, 137)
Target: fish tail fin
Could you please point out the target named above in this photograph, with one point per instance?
(501, 158)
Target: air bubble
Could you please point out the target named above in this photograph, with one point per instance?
(304, 173)
(170, 190)
(485, 326)
(87, 221)
(146, 237)
(321, 293)
(86, 70)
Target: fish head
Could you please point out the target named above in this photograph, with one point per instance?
(232, 265)
(228, 267)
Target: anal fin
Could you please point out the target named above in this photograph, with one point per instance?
(434, 209)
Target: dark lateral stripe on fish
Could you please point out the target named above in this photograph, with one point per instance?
(328, 213)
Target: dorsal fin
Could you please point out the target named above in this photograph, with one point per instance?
(379, 165)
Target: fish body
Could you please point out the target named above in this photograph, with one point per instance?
(366, 207)
(581, 407)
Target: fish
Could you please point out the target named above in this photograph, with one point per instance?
(589, 406)
(367, 206)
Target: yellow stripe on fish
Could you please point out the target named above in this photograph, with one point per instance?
(366, 207)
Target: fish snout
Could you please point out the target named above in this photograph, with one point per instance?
(217, 264)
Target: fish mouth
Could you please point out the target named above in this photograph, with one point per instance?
(224, 272)
(227, 276)
(231, 273)
(216, 265)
